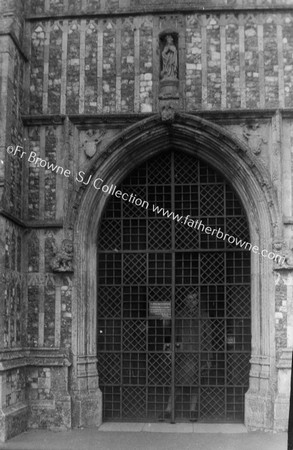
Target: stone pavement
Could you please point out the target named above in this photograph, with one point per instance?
(155, 436)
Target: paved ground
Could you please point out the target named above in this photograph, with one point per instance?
(149, 437)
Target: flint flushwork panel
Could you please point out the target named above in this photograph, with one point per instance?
(107, 65)
(44, 143)
(38, 7)
(12, 285)
(49, 294)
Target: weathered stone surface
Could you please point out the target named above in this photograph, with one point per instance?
(288, 57)
(13, 304)
(118, 6)
(281, 315)
(252, 81)
(87, 410)
(271, 62)
(109, 67)
(103, 73)
(230, 61)
(37, 72)
(13, 421)
(48, 398)
(281, 404)
(91, 67)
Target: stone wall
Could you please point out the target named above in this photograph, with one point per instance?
(43, 203)
(75, 7)
(13, 314)
(13, 409)
(13, 283)
(48, 398)
(83, 71)
(12, 61)
(108, 65)
(49, 294)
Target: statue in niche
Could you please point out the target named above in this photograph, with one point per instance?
(169, 60)
(62, 261)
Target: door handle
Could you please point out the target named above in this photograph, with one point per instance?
(167, 347)
(177, 345)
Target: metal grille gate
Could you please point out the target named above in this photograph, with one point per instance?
(173, 302)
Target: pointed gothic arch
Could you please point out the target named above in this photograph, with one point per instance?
(250, 180)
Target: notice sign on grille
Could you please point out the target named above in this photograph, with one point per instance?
(160, 309)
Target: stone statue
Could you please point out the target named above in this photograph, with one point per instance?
(170, 60)
(62, 261)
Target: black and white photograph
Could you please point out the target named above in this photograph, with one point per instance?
(146, 224)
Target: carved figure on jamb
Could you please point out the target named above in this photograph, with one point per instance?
(63, 259)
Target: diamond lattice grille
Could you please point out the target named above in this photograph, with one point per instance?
(238, 301)
(212, 268)
(134, 335)
(129, 209)
(187, 369)
(110, 234)
(237, 227)
(181, 292)
(110, 298)
(212, 402)
(185, 170)
(160, 293)
(186, 237)
(212, 200)
(159, 372)
(158, 171)
(134, 269)
(173, 300)
(160, 233)
(109, 368)
(237, 368)
(134, 402)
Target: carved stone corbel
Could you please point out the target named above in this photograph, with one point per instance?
(168, 112)
(63, 259)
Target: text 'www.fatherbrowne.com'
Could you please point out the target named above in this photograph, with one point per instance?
(200, 226)
(98, 184)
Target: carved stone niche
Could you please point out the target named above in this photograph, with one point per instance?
(169, 66)
(63, 259)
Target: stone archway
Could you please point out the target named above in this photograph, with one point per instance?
(251, 182)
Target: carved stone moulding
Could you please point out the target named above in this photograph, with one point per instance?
(169, 89)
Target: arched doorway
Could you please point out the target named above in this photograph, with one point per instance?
(250, 180)
(174, 337)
